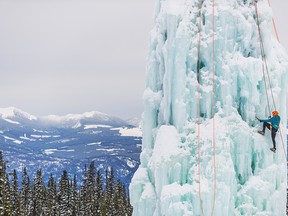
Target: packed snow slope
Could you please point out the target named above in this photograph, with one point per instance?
(250, 179)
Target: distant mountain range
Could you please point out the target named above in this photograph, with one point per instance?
(54, 143)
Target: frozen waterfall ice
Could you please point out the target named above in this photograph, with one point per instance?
(251, 180)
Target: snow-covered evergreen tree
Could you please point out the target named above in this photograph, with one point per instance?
(15, 196)
(99, 193)
(39, 204)
(52, 196)
(74, 197)
(7, 195)
(64, 195)
(84, 193)
(2, 183)
(26, 193)
(91, 193)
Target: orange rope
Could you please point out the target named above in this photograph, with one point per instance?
(199, 107)
(213, 102)
(274, 25)
(267, 71)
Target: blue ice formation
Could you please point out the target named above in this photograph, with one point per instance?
(251, 180)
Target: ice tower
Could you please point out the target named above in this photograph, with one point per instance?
(250, 179)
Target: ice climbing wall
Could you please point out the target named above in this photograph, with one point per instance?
(250, 179)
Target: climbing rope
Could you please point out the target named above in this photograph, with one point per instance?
(262, 54)
(199, 105)
(267, 70)
(274, 25)
(212, 104)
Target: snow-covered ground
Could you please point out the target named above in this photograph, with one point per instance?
(133, 132)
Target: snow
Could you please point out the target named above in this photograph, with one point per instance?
(95, 143)
(13, 140)
(110, 150)
(90, 132)
(76, 118)
(64, 140)
(13, 112)
(131, 132)
(40, 131)
(18, 142)
(40, 136)
(77, 125)
(136, 132)
(52, 151)
(27, 138)
(136, 122)
(131, 164)
(11, 121)
(96, 126)
(251, 180)
(49, 151)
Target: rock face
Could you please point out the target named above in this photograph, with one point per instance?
(250, 179)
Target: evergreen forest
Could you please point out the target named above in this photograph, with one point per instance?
(95, 195)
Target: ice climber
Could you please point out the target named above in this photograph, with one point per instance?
(273, 127)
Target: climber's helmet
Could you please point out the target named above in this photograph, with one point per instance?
(275, 113)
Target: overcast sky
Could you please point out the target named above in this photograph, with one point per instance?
(72, 56)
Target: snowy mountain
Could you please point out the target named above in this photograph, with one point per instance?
(13, 114)
(54, 143)
(201, 152)
(134, 121)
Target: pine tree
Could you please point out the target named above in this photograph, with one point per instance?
(111, 190)
(118, 207)
(2, 180)
(99, 194)
(51, 196)
(84, 193)
(7, 195)
(15, 196)
(39, 194)
(91, 199)
(74, 197)
(25, 193)
(107, 205)
(64, 195)
(127, 205)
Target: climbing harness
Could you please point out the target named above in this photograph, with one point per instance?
(264, 62)
(212, 103)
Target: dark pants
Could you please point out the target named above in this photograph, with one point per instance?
(273, 132)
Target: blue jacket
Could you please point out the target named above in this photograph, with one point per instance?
(275, 121)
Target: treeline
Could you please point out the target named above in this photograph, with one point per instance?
(33, 198)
